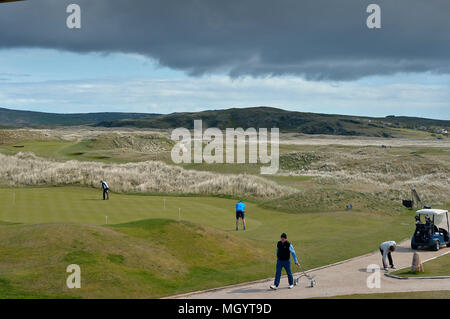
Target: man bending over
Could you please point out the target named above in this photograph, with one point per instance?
(105, 188)
(240, 213)
(386, 249)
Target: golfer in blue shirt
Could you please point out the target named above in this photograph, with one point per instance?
(240, 213)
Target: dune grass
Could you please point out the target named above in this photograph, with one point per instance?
(25, 169)
(101, 149)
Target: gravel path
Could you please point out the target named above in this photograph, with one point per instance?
(344, 278)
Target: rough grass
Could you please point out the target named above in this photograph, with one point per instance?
(146, 259)
(296, 161)
(117, 147)
(146, 143)
(11, 136)
(25, 169)
(333, 199)
(388, 174)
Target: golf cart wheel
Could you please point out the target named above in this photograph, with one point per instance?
(414, 246)
(448, 244)
(437, 245)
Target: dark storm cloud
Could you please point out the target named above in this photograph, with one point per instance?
(316, 39)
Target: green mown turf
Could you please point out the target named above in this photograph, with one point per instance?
(319, 238)
(440, 294)
(435, 267)
(145, 259)
(53, 149)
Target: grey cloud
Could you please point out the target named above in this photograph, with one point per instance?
(316, 39)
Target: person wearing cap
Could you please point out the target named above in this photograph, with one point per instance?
(284, 252)
(105, 188)
(386, 250)
(240, 213)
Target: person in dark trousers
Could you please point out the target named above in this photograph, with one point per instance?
(284, 252)
(240, 213)
(386, 250)
(105, 188)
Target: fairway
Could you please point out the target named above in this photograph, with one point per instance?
(84, 205)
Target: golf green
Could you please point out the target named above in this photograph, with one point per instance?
(323, 237)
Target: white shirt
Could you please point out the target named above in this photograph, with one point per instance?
(385, 248)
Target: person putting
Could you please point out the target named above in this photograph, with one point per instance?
(386, 250)
(284, 252)
(240, 213)
(105, 188)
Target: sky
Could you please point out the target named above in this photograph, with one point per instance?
(157, 56)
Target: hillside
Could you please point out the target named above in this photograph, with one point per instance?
(14, 118)
(257, 117)
(142, 259)
(287, 121)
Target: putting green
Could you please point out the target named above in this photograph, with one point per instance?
(84, 205)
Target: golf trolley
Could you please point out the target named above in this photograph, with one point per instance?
(304, 274)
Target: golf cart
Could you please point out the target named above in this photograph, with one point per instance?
(428, 233)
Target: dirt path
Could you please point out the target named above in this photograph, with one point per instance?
(344, 278)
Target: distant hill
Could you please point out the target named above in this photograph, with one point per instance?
(257, 117)
(286, 121)
(415, 122)
(14, 118)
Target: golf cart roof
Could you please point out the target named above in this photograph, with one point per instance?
(432, 212)
(437, 214)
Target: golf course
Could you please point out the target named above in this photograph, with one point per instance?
(220, 159)
(191, 244)
(169, 229)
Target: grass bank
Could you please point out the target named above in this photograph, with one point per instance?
(439, 294)
(436, 267)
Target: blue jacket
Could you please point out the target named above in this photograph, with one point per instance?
(240, 206)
